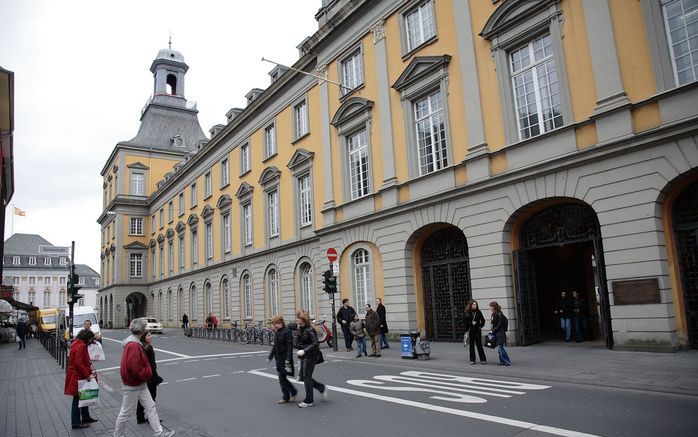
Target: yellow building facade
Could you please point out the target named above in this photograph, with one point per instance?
(449, 150)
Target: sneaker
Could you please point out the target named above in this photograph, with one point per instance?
(482, 362)
(292, 398)
(472, 362)
(323, 394)
(377, 355)
(166, 434)
(304, 405)
(283, 401)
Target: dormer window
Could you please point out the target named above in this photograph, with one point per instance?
(172, 84)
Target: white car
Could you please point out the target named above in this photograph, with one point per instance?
(154, 325)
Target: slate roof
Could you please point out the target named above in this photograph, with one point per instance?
(24, 244)
(84, 271)
(160, 123)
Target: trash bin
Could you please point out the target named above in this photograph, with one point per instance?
(408, 344)
(423, 349)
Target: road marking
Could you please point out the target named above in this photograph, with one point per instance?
(191, 361)
(336, 361)
(170, 364)
(209, 359)
(239, 371)
(164, 383)
(166, 360)
(211, 376)
(185, 379)
(106, 387)
(155, 349)
(107, 373)
(226, 358)
(469, 414)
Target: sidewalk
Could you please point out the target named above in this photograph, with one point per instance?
(32, 403)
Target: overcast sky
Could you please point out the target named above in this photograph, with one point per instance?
(82, 77)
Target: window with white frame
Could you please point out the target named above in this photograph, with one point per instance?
(162, 218)
(170, 211)
(61, 298)
(269, 141)
(32, 280)
(306, 200)
(300, 119)
(181, 252)
(307, 301)
(208, 185)
(352, 74)
(162, 261)
(32, 260)
(247, 296)
(193, 194)
(432, 150)
(274, 298)
(209, 240)
(273, 212)
(226, 233)
(170, 256)
(47, 298)
(136, 265)
(244, 158)
(420, 25)
(153, 270)
(192, 302)
(63, 261)
(208, 297)
(31, 296)
(138, 184)
(681, 21)
(47, 261)
(169, 305)
(62, 280)
(47, 280)
(136, 227)
(15, 280)
(225, 172)
(362, 279)
(194, 247)
(535, 87)
(247, 224)
(180, 203)
(225, 291)
(357, 150)
(15, 260)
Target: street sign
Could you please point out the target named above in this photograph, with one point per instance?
(332, 254)
(54, 250)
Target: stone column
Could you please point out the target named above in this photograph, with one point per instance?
(328, 203)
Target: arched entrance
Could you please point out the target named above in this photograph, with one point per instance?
(136, 305)
(445, 283)
(685, 217)
(560, 250)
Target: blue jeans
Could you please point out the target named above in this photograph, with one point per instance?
(287, 389)
(503, 356)
(580, 327)
(360, 346)
(566, 325)
(384, 341)
(78, 414)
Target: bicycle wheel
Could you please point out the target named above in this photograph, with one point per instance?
(243, 336)
(330, 342)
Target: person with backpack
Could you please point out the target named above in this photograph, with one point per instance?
(500, 323)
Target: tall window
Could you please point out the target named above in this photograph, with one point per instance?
(420, 25)
(208, 185)
(138, 184)
(170, 211)
(152, 262)
(15, 260)
(431, 133)
(47, 261)
(63, 262)
(170, 256)
(61, 298)
(225, 289)
(192, 302)
(273, 286)
(193, 195)
(536, 88)
(180, 302)
(181, 252)
(681, 19)
(247, 296)
(194, 247)
(352, 72)
(136, 227)
(47, 298)
(169, 304)
(244, 158)
(247, 223)
(32, 280)
(162, 218)
(306, 200)
(225, 172)
(32, 260)
(307, 301)
(162, 261)
(269, 141)
(300, 119)
(180, 203)
(273, 213)
(357, 145)
(208, 298)
(226, 233)
(136, 265)
(362, 279)
(32, 297)
(209, 240)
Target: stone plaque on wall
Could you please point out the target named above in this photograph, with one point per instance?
(636, 292)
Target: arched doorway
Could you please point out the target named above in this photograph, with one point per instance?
(685, 217)
(136, 305)
(445, 283)
(560, 250)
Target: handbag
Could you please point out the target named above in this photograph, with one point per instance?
(490, 340)
(96, 352)
(88, 392)
(320, 358)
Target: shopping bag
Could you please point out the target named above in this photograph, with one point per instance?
(88, 392)
(96, 352)
(490, 341)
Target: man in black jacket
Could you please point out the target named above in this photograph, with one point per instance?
(380, 309)
(579, 312)
(345, 315)
(564, 311)
(283, 352)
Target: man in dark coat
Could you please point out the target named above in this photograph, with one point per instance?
(380, 309)
(345, 316)
(373, 327)
(22, 332)
(564, 311)
(283, 352)
(579, 313)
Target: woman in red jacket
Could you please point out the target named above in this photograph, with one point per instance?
(79, 367)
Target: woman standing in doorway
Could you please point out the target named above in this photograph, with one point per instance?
(499, 329)
(474, 321)
(309, 354)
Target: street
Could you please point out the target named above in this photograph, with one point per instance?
(229, 389)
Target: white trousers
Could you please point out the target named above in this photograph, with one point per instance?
(128, 406)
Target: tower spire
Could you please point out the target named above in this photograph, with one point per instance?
(170, 41)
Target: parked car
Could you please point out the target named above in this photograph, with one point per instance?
(154, 325)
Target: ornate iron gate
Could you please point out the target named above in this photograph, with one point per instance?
(526, 299)
(686, 229)
(446, 284)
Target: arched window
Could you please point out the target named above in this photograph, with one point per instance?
(172, 84)
(180, 302)
(225, 297)
(273, 287)
(160, 301)
(363, 291)
(32, 296)
(306, 288)
(208, 299)
(192, 302)
(152, 305)
(169, 304)
(246, 286)
(47, 298)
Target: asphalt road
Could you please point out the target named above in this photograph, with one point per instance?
(228, 389)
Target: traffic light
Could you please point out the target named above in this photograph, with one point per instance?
(74, 287)
(329, 282)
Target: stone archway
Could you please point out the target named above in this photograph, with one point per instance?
(685, 222)
(136, 306)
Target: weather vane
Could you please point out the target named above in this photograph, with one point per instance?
(170, 41)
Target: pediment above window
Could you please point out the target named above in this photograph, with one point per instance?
(420, 68)
(244, 190)
(350, 109)
(138, 166)
(193, 220)
(207, 211)
(270, 174)
(512, 13)
(181, 227)
(161, 239)
(169, 234)
(223, 201)
(136, 245)
(300, 156)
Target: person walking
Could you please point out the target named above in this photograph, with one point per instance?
(214, 319)
(474, 321)
(564, 311)
(579, 314)
(22, 330)
(500, 323)
(155, 379)
(282, 351)
(79, 367)
(358, 330)
(373, 328)
(209, 322)
(309, 354)
(135, 373)
(380, 309)
(185, 321)
(345, 315)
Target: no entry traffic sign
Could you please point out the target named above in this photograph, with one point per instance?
(332, 254)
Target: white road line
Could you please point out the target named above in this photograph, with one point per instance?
(164, 383)
(470, 414)
(336, 361)
(191, 361)
(106, 387)
(166, 360)
(170, 364)
(156, 349)
(209, 359)
(107, 373)
(211, 376)
(226, 358)
(239, 371)
(185, 379)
